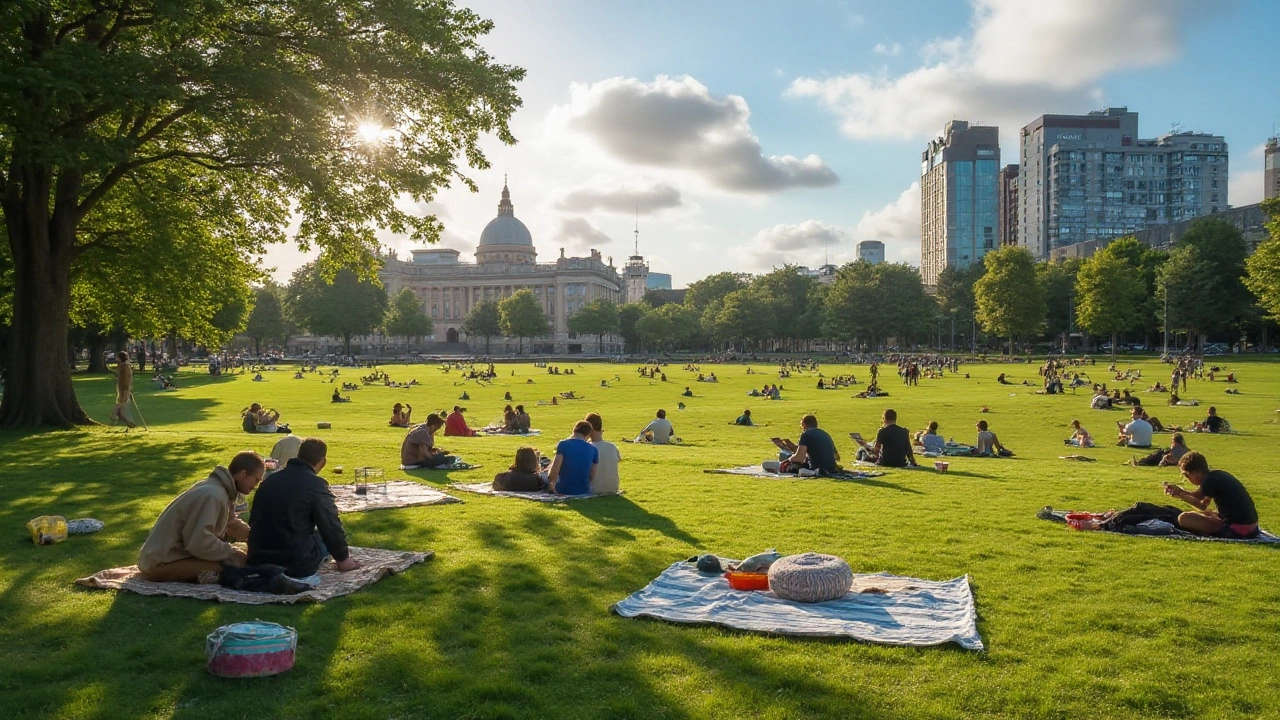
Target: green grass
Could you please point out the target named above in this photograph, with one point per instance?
(511, 618)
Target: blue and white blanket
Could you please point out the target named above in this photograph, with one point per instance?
(759, 471)
(881, 608)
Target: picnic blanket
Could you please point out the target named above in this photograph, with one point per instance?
(486, 488)
(499, 431)
(758, 471)
(1264, 537)
(457, 465)
(398, 494)
(376, 564)
(881, 608)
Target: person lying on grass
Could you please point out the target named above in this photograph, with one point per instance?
(1235, 516)
(419, 445)
(400, 415)
(1137, 433)
(574, 466)
(294, 519)
(988, 444)
(189, 542)
(744, 419)
(524, 475)
(893, 443)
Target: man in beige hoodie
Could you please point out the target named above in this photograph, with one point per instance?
(189, 542)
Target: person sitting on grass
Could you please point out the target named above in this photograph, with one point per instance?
(1156, 425)
(930, 439)
(606, 480)
(257, 419)
(815, 452)
(455, 425)
(687, 392)
(400, 415)
(1165, 458)
(892, 447)
(523, 422)
(744, 419)
(1213, 423)
(1137, 434)
(509, 423)
(294, 521)
(659, 431)
(524, 475)
(419, 445)
(1079, 436)
(337, 397)
(988, 444)
(188, 543)
(1235, 517)
(575, 463)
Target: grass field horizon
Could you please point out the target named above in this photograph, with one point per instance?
(511, 618)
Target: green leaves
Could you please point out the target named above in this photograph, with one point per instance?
(1264, 265)
(521, 316)
(345, 307)
(407, 316)
(1008, 298)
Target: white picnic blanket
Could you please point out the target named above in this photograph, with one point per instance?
(758, 471)
(486, 488)
(391, 494)
(881, 608)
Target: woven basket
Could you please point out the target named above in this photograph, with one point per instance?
(810, 578)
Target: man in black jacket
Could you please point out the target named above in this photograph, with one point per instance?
(295, 520)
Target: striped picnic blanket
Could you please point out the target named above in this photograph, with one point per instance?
(486, 488)
(881, 608)
(758, 471)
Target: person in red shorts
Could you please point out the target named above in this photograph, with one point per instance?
(1235, 516)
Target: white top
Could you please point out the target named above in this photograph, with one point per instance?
(661, 429)
(1139, 432)
(606, 480)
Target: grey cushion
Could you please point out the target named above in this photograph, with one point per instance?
(810, 578)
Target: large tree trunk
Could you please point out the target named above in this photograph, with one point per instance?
(97, 350)
(39, 390)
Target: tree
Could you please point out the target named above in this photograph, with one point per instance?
(598, 317)
(1057, 280)
(747, 316)
(712, 288)
(654, 329)
(788, 292)
(1009, 303)
(1147, 261)
(686, 330)
(1185, 287)
(1264, 264)
(1109, 296)
(954, 293)
(849, 303)
(266, 320)
(1224, 250)
(252, 111)
(345, 307)
(484, 321)
(521, 317)
(628, 316)
(407, 317)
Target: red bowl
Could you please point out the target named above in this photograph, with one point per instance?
(747, 580)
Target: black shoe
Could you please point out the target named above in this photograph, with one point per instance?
(285, 585)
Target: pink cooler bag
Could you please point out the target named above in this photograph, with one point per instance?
(251, 649)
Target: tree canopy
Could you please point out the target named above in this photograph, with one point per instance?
(345, 306)
(1008, 298)
(522, 317)
(484, 321)
(115, 112)
(267, 319)
(1110, 296)
(1264, 265)
(407, 317)
(598, 317)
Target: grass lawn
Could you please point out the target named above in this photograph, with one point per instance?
(511, 618)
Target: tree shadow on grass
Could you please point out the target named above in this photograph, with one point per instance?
(621, 512)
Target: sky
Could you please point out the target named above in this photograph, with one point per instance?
(745, 135)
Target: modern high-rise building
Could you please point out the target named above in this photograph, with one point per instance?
(1007, 205)
(1089, 176)
(872, 251)
(1271, 173)
(958, 198)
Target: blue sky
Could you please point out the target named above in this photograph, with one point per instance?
(752, 134)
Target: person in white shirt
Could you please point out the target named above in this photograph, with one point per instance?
(606, 480)
(660, 428)
(1137, 434)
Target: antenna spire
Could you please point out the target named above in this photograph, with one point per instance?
(637, 231)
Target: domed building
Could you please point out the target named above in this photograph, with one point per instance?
(506, 262)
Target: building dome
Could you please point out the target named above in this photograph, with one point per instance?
(506, 229)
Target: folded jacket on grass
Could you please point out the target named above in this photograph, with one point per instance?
(392, 494)
(881, 608)
(758, 471)
(459, 465)
(375, 565)
(1263, 538)
(486, 488)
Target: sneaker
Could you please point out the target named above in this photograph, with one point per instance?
(285, 585)
(807, 473)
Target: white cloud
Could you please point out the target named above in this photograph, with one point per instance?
(1024, 58)
(803, 244)
(676, 123)
(1245, 188)
(891, 49)
(578, 236)
(897, 225)
(625, 199)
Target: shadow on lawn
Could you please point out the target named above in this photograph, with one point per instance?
(621, 512)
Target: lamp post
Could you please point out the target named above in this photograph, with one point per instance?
(1166, 316)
